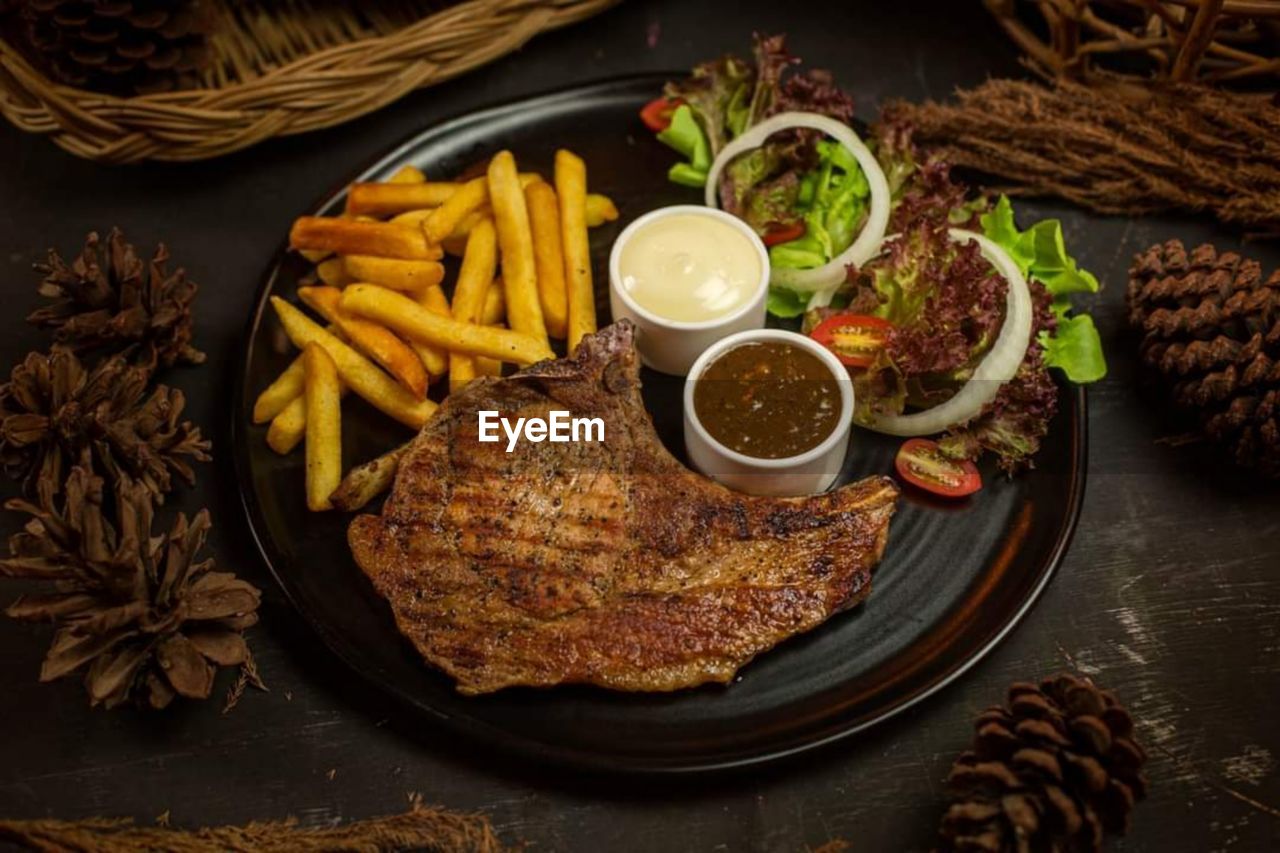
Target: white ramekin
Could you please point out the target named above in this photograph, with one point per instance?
(805, 474)
(671, 346)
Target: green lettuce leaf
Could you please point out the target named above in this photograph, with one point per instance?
(1040, 252)
(998, 225)
(685, 135)
(718, 93)
(833, 201)
(786, 303)
(1076, 349)
(744, 174)
(686, 175)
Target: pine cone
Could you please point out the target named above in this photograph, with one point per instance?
(122, 46)
(1211, 329)
(1052, 771)
(115, 303)
(150, 620)
(55, 413)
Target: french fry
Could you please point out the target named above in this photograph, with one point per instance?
(600, 209)
(463, 374)
(413, 276)
(360, 374)
(410, 319)
(396, 197)
(462, 369)
(515, 240)
(388, 199)
(416, 218)
(478, 265)
(435, 300)
(412, 218)
(548, 257)
(315, 255)
(571, 187)
(456, 243)
(435, 359)
(472, 219)
(488, 366)
(404, 176)
(493, 313)
(333, 272)
(373, 340)
(324, 427)
(285, 389)
(469, 293)
(495, 305)
(353, 237)
(470, 197)
(289, 426)
(365, 482)
(407, 174)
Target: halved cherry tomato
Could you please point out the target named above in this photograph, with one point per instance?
(854, 338)
(656, 114)
(782, 232)
(923, 464)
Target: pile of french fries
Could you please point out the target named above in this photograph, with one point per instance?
(385, 328)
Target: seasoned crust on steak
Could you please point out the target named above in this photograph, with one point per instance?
(605, 563)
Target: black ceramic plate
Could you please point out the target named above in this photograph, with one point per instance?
(954, 580)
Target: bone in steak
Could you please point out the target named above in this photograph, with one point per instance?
(604, 563)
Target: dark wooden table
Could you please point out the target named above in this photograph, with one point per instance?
(1170, 593)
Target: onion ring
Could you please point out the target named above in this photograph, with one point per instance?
(832, 274)
(998, 367)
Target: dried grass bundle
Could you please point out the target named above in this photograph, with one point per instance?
(1116, 148)
(420, 828)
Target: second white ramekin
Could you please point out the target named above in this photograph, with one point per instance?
(804, 474)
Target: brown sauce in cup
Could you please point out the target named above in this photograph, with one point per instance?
(767, 400)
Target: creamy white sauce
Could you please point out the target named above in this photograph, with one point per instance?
(689, 268)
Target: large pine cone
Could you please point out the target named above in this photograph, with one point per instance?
(1211, 328)
(1053, 770)
(112, 301)
(55, 413)
(122, 46)
(149, 618)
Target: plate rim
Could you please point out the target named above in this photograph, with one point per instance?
(496, 738)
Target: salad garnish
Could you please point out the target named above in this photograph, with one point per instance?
(947, 307)
(856, 339)
(807, 197)
(1073, 345)
(975, 310)
(998, 365)
(817, 263)
(684, 135)
(922, 463)
(657, 114)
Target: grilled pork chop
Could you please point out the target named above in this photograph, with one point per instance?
(607, 562)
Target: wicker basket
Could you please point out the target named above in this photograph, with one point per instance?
(1212, 41)
(282, 67)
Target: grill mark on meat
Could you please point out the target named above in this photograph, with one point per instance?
(604, 563)
(784, 522)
